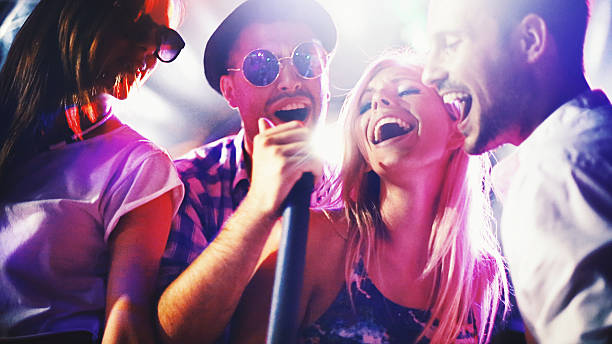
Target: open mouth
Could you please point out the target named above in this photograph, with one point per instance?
(391, 127)
(292, 112)
(458, 104)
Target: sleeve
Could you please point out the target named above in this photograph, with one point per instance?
(143, 181)
(187, 239)
(557, 235)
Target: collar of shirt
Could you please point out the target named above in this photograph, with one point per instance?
(566, 116)
(241, 172)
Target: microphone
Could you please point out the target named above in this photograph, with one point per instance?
(289, 273)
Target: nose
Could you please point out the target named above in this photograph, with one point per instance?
(380, 100)
(288, 78)
(433, 73)
(151, 61)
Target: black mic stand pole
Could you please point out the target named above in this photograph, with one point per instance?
(289, 274)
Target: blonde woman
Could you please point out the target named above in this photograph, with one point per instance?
(413, 258)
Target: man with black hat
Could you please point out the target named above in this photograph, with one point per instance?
(269, 59)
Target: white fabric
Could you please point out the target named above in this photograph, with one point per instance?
(557, 223)
(54, 227)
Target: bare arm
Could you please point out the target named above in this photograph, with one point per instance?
(199, 304)
(250, 323)
(323, 277)
(136, 247)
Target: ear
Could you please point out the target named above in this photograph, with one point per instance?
(533, 36)
(226, 85)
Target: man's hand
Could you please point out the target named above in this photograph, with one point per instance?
(281, 155)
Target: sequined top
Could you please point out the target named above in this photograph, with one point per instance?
(375, 319)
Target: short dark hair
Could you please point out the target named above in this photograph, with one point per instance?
(222, 41)
(566, 20)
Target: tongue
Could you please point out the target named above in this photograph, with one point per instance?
(460, 106)
(454, 110)
(391, 130)
(292, 115)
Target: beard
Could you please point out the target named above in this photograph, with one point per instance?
(507, 116)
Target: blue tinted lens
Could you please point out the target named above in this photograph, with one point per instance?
(170, 44)
(308, 60)
(260, 67)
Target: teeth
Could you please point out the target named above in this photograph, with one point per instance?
(387, 120)
(452, 97)
(293, 106)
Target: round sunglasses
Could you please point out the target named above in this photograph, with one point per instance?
(261, 67)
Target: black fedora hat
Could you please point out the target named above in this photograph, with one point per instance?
(222, 40)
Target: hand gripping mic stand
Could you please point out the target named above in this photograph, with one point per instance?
(289, 274)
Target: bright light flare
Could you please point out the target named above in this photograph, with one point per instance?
(350, 23)
(147, 112)
(597, 47)
(327, 144)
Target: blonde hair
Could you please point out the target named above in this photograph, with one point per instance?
(464, 257)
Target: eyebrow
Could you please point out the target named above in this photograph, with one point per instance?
(403, 78)
(446, 32)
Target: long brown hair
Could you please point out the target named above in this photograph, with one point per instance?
(464, 257)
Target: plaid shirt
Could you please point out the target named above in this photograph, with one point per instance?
(216, 181)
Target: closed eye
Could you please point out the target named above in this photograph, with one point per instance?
(364, 108)
(409, 91)
(450, 43)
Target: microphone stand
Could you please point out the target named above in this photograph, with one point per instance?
(289, 274)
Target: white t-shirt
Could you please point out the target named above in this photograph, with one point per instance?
(557, 223)
(61, 208)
